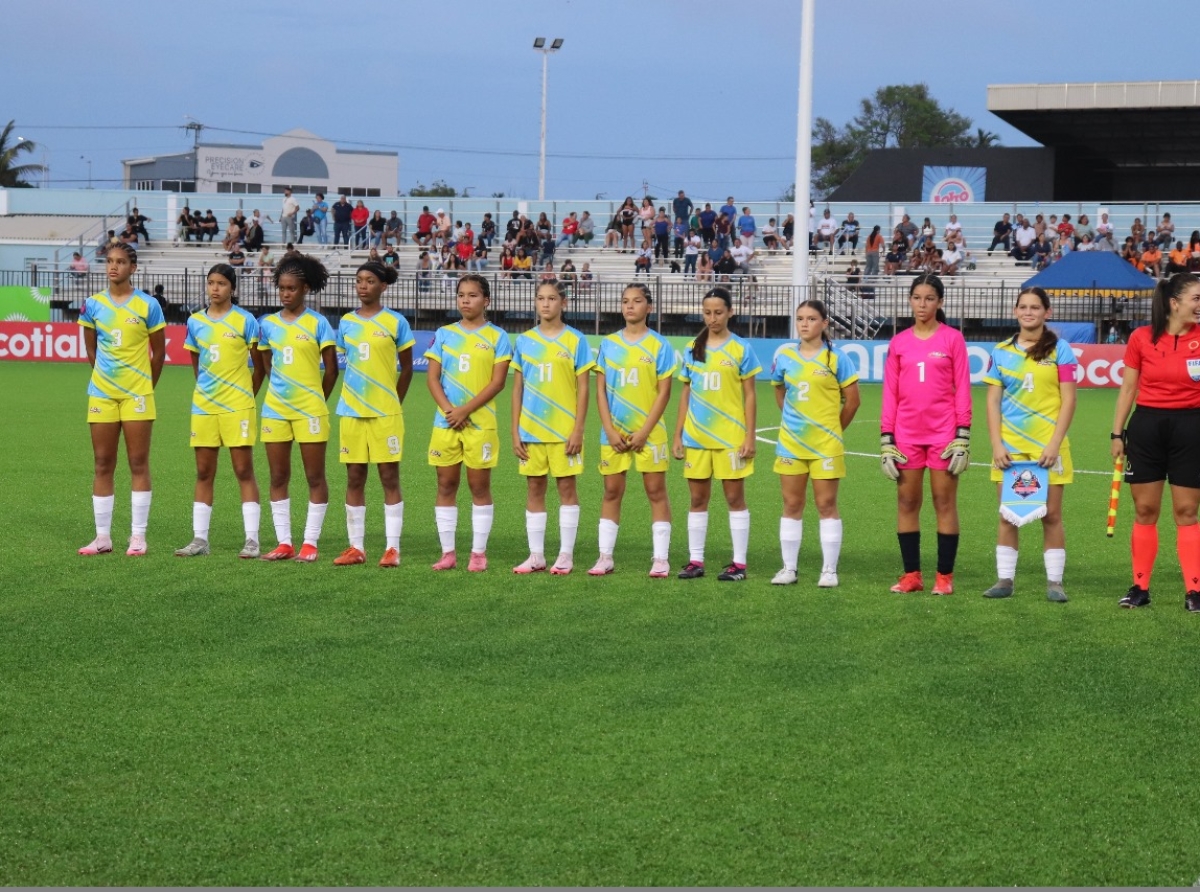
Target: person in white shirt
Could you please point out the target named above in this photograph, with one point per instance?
(826, 230)
(953, 233)
(951, 258)
(691, 250)
(742, 255)
(1104, 233)
(1024, 237)
(287, 216)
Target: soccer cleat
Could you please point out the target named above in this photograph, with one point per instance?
(943, 584)
(659, 569)
(692, 570)
(1191, 602)
(99, 545)
(477, 562)
(391, 558)
(448, 561)
(604, 566)
(249, 550)
(1055, 593)
(1001, 588)
(828, 578)
(281, 552)
(732, 573)
(535, 563)
(563, 566)
(784, 577)
(137, 546)
(195, 548)
(1136, 597)
(348, 557)
(909, 582)
(307, 554)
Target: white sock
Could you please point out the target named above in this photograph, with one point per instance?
(739, 531)
(660, 532)
(141, 511)
(201, 520)
(697, 533)
(1006, 562)
(790, 534)
(481, 526)
(102, 510)
(1056, 563)
(281, 516)
(356, 525)
(608, 536)
(313, 523)
(447, 526)
(393, 524)
(831, 542)
(251, 519)
(568, 528)
(535, 531)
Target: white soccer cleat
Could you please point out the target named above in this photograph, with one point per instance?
(563, 566)
(604, 566)
(99, 545)
(196, 548)
(784, 577)
(660, 568)
(137, 546)
(535, 563)
(828, 579)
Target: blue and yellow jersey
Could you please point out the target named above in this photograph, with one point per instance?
(631, 375)
(549, 370)
(467, 359)
(371, 345)
(812, 403)
(1030, 397)
(295, 391)
(123, 333)
(224, 383)
(716, 416)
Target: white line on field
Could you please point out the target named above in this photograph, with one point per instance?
(875, 455)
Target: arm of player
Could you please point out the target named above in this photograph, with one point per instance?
(780, 394)
(615, 440)
(1000, 457)
(575, 440)
(638, 440)
(851, 400)
(158, 354)
(750, 401)
(684, 397)
(433, 380)
(89, 344)
(891, 389)
(259, 361)
(460, 416)
(406, 372)
(1066, 412)
(518, 394)
(1125, 400)
(329, 378)
(196, 366)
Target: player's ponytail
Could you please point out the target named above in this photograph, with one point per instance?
(700, 345)
(385, 274)
(934, 282)
(823, 312)
(1166, 291)
(1048, 342)
(305, 267)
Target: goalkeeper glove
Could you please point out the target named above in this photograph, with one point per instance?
(959, 451)
(890, 456)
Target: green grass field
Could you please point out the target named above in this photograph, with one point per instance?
(212, 721)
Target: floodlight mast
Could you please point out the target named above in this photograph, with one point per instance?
(800, 231)
(539, 44)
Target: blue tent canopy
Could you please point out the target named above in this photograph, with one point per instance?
(1091, 271)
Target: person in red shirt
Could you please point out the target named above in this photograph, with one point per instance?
(424, 227)
(359, 217)
(1066, 232)
(1162, 385)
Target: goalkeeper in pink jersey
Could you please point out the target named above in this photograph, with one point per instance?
(926, 423)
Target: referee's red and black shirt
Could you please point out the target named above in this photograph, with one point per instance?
(1168, 371)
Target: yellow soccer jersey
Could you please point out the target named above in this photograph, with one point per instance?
(123, 330)
(812, 405)
(716, 416)
(295, 389)
(631, 375)
(549, 370)
(467, 359)
(224, 383)
(371, 345)
(1030, 397)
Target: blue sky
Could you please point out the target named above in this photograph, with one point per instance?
(698, 94)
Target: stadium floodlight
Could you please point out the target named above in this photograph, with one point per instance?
(558, 42)
(539, 44)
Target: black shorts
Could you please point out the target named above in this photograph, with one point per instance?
(1162, 444)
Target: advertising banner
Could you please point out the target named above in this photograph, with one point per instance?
(20, 304)
(954, 185)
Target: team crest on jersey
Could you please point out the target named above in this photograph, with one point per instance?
(345, 450)
(649, 360)
(786, 461)
(604, 462)
(94, 410)
(303, 337)
(727, 363)
(1047, 361)
(821, 373)
(1193, 367)
(266, 429)
(937, 354)
(231, 334)
(435, 453)
(563, 354)
(482, 345)
(379, 334)
(132, 320)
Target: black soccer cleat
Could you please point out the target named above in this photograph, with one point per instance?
(1136, 597)
(1191, 602)
(691, 570)
(733, 573)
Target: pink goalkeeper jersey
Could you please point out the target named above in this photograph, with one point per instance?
(926, 387)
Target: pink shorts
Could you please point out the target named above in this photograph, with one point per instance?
(923, 457)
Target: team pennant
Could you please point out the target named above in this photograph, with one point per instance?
(1023, 492)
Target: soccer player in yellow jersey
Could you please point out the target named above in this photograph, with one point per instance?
(296, 343)
(468, 362)
(636, 366)
(375, 341)
(126, 347)
(816, 387)
(222, 340)
(549, 409)
(714, 433)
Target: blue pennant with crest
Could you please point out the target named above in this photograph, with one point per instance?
(1023, 492)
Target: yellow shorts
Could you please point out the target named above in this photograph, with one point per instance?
(724, 464)
(313, 429)
(226, 429)
(102, 410)
(371, 440)
(475, 447)
(654, 458)
(552, 459)
(1061, 473)
(832, 468)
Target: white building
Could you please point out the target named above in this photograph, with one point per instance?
(298, 160)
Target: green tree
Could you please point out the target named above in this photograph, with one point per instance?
(985, 139)
(438, 189)
(12, 174)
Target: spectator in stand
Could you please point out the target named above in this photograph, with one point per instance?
(287, 216)
(680, 233)
(566, 277)
(233, 235)
(742, 255)
(646, 215)
(1164, 235)
(854, 278)
(953, 233)
(506, 261)
(681, 208)
(725, 267)
(927, 233)
(704, 268)
(897, 253)
(1104, 233)
(770, 236)
(341, 211)
(871, 250)
(612, 233)
(708, 219)
(729, 211)
(1138, 231)
(627, 213)
(208, 226)
(691, 252)
(789, 232)
(252, 237)
(849, 233)
(359, 217)
(240, 219)
(308, 226)
(1086, 244)
(1131, 253)
(184, 225)
(548, 275)
(237, 257)
(487, 230)
(1082, 228)
(645, 257)
(570, 227)
(320, 218)
(1193, 251)
(479, 260)
(528, 239)
(951, 259)
(391, 258)
(1151, 259)
(442, 227)
(1040, 252)
(424, 234)
(546, 250)
(723, 227)
(104, 243)
(376, 226)
(747, 227)
(79, 266)
(138, 222)
(468, 233)
(1051, 230)
(465, 249)
(1177, 260)
(545, 229)
(826, 231)
(1066, 230)
(1024, 237)
(908, 229)
(393, 230)
(522, 265)
(1001, 235)
(662, 236)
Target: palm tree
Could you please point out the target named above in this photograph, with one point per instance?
(985, 139)
(12, 175)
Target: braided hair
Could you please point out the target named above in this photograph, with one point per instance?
(305, 267)
(385, 274)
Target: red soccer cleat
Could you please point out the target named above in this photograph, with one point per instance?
(391, 558)
(281, 552)
(307, 554)
(348, 557)
(448, 561)
(910, 582)
(943, 584)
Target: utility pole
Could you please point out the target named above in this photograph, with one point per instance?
(196, 127)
